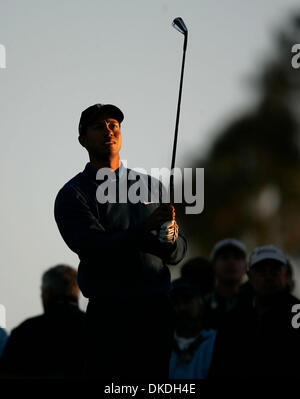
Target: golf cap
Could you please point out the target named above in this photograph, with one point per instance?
(89, 114)
(266, 252)
(227, 242)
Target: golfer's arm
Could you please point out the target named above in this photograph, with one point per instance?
(83, 233)
(169, 253)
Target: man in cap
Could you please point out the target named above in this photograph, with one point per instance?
(229, 261)
(193, 343)
(261, 341)
(268, 275)
(124, 249)
(200, 271)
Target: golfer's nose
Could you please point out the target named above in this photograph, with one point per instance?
(108, 130)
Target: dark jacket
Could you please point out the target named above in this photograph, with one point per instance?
(218, 307)
(47, 346)
(116, 257)
(248, 345)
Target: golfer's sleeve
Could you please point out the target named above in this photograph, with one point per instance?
(178, 253)
(81, 230)
(169, 253)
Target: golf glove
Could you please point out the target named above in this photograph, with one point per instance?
(168, 232)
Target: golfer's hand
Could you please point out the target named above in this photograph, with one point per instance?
(168, 232)
(161, 215)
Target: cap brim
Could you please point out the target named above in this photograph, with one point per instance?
(111, 111)
(262, 258)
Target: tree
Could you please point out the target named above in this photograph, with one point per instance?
(252, 170)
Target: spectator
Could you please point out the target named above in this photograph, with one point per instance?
(49, 345)
(290, 277)
(229, 260)
(3, 340)
(193, 345)
(261, 340)
(199, 271)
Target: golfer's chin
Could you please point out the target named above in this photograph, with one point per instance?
(107, 152)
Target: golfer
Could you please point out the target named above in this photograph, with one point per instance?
(124, 249)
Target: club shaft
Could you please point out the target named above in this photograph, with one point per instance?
(177, 123)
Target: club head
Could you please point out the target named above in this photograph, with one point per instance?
(179, 25)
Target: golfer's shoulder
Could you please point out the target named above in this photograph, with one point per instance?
(71, 189)
(142, 175)
(27, 325)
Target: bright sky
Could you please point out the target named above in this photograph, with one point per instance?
(64, 55)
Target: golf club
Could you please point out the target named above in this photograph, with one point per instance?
(179, 25)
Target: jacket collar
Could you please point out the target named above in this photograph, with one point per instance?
(91, 172)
